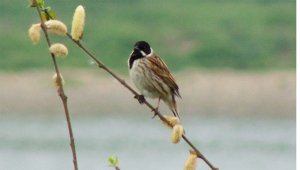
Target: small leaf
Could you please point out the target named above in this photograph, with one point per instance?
(51, 13)
(113, 160)
(41, 3)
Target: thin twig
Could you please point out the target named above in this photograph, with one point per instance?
(156, 112)
(60, 89)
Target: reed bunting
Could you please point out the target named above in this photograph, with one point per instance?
(152, 77)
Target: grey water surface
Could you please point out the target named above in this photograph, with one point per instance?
(30, 142)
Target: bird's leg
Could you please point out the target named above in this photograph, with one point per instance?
(155, 110)
(140, 98)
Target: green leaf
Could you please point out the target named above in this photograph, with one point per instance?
(41, 3)
(50, 12)
(113, 160)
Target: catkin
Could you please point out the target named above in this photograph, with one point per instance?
(34, 33)
(177, 133)
(78, 23)
(58, 49)
(190, 163)
(172, 120)
(56, 27)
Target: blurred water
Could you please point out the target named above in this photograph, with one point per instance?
(41, 143)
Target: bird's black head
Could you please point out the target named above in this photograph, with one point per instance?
(141, 49)
(143, 46)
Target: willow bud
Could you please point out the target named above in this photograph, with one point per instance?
(172, 120)
(32, 3)
(190, 163)
(177, 133)
(34, 33)
(58, 49)
(58, 80)
(78, 23)
(56, 27)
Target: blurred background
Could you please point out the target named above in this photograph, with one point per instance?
(234, 62)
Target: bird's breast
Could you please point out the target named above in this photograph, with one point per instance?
(142, 78)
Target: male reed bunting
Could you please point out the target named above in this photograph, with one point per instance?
(152, 77)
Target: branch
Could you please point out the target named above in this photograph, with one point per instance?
(60, 89)
(157, 113)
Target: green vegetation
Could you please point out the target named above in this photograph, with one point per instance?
(248, 34)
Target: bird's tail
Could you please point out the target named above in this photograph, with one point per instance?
(173, 105)
(175, 113)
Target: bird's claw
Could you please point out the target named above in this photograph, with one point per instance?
(140, 98)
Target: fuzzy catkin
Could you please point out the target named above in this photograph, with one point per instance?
(172, 120)
(58, 49)
(56, 27)
(190, 163)
(34, 33)
(177, 133)
(78, 23)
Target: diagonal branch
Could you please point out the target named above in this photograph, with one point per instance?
(102, 66)
(60, 89)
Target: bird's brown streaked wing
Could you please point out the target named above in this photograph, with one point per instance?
(160, 68)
